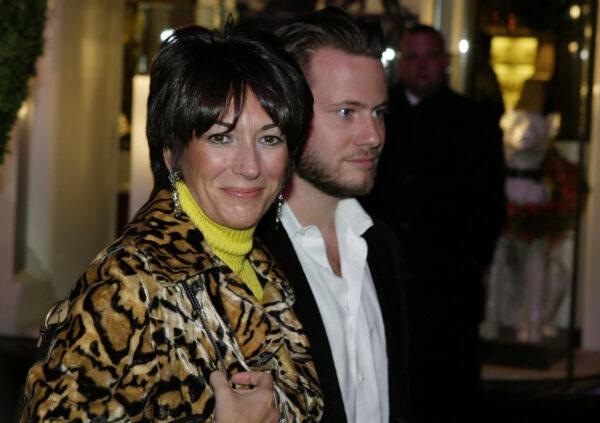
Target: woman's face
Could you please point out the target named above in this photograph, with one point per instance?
(236, 173)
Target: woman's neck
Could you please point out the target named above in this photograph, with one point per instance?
(230, 245)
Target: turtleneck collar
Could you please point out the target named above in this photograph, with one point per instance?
(230, 245)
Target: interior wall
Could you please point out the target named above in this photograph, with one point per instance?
(590, 265)
(71, 177)
(455, 23)
(10, 289)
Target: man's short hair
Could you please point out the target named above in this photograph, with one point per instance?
(331, 28)
(425, 29)
(198, 73)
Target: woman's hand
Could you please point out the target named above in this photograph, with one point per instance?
(251, 405)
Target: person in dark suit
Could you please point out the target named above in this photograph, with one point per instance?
(441, 187)
(343, 263)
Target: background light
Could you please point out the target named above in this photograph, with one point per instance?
(463, 46)
(387, 56)
(166, 34)
(575, 11)
(573, 46)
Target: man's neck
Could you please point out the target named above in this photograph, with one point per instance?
(312, 206)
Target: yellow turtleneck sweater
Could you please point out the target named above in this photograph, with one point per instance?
(230, 245)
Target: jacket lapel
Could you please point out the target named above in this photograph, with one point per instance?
(257, 331)
(307, 310)
(386, 270)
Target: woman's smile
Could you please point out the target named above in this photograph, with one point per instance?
(243, 193)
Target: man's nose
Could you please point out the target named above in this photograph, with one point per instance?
(422, 62)
(372, 132)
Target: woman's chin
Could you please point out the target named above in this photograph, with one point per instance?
(242, 221)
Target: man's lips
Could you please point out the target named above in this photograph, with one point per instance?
(243, 193)
(364, 162)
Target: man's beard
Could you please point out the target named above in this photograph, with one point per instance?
(314, 171)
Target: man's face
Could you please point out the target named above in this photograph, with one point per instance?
(347, 132)
(422, 65)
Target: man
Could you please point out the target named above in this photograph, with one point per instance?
(441, 187)
(342, 263)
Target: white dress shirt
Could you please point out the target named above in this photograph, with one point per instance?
(349, 309)
(412, 99)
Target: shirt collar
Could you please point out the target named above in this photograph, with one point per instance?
(354, 216)
(412, 99)
(349, 212)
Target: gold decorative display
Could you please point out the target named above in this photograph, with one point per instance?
(514, 61)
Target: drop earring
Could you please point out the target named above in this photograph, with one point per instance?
(173, 178)
(278, 210)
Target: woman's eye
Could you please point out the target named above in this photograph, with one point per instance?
(271, 140)
(218, 138)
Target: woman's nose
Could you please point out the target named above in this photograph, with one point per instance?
(247, 161)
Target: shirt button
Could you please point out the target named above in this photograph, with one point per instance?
(361, 378)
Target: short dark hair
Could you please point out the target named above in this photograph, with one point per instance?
(331, 28)
(419, 28)
(198, 73)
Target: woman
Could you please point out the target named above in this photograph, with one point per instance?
(185, 303)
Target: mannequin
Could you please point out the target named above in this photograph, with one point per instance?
(529, 276)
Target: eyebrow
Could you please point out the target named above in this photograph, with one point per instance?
(225, 124)
(230, 126)
(269, 126)
(359, 104)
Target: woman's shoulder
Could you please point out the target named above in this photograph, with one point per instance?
(157, 244)
(120, 268)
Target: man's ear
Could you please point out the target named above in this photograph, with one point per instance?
(446, 61)
(397, 70)
(168, 159)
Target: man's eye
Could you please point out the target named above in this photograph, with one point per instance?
(218, 138)
(380, 113)
(271, 140)
(345, 113)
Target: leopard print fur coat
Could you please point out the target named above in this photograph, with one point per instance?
(154, 314)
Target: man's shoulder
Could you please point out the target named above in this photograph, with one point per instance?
(379, 225)
(380, 233)
(275, 240)
(397, 90)
(449, 95)
(270, 234)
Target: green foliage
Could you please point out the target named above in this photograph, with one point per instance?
(21, 29)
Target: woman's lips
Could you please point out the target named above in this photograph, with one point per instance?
(243, 193)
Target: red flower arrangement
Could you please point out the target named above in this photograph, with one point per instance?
(555, 217)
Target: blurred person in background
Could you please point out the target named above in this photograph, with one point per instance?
(441, 187)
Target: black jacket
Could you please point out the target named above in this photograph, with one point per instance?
(440, 185)
(384, 263)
